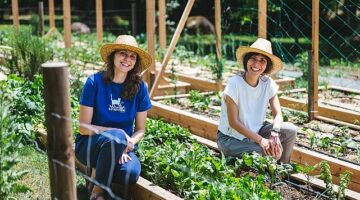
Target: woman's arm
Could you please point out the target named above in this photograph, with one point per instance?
(140, 122)
(275, 144)
(85, 126)
(276, 111)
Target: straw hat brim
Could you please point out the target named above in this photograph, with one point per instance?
(145, 58)
(276, 61)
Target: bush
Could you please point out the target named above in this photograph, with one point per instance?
(29, 52)
(9, 146)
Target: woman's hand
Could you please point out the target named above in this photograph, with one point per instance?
(130, 144)
(124, 158)
(275, 145)
(265, 145)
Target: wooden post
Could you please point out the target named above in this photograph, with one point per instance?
(262, 15)
(162, 24)
(150, 36)
(311, 86)
(41, 17)
(51, 15)
(171, 48)
(67, 23)
(99, 20)
(218, 36)
(133, 18)
(59, 133)
(15, 13)
(315, 57)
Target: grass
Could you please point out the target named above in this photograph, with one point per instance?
(38, 177)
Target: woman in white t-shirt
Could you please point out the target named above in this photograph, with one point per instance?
(244, 105)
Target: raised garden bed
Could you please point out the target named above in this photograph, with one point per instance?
(334, 102)
(337, 141)
(207, 128)
(186, 167)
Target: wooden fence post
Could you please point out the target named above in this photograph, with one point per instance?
(162, 24)
(41, 17)
(67, 23)
(312, 110)
(314, 63)
(99, 21)
(150, 36)
(262, 16)
(133, 18)
(59, 134)
(51, 15)
(15, 13)
(218, 39)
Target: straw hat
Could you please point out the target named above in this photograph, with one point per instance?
(126, 42)
(262, 46)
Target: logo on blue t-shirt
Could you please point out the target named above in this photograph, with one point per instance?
(116, 105)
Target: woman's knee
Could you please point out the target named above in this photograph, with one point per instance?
(290, 132)
(130, 173)
(289, 128)
(134, 175)
(115, 136)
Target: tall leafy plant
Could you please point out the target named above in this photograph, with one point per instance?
(28, 53)
(10, 142)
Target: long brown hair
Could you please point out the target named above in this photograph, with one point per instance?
(132, 81)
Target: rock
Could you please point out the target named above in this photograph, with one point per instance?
(78, 27)
(199, 23)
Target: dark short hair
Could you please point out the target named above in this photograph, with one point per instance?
(269, 64)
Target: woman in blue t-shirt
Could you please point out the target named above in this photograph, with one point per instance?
(245, 101)
(111, 103)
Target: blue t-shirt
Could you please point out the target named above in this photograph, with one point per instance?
(110, 110)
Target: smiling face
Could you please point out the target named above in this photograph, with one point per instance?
(124, 60)
(257, 64)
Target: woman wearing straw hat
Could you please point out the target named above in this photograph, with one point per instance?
(245, 101)
(111, 101)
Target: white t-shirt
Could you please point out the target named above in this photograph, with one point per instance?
(252, 103)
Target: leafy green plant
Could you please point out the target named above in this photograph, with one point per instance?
(171, 159)
(217, 68)
(325, 142)
(173, 79)
(345, 179)
(10, 143)
(199, 101)
(29, 52)
(325, 174)
(306, 170)
(312, 137)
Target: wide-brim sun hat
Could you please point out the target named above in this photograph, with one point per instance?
(126, 42)
(262, 46)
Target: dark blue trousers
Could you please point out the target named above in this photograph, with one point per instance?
(103, 152)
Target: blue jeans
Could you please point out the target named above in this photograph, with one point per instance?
(103, 152)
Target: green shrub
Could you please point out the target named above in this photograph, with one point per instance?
(29, 52)
(10, 142)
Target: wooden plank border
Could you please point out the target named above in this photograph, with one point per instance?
(203, 84)
(324, 110)
(207, 128)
